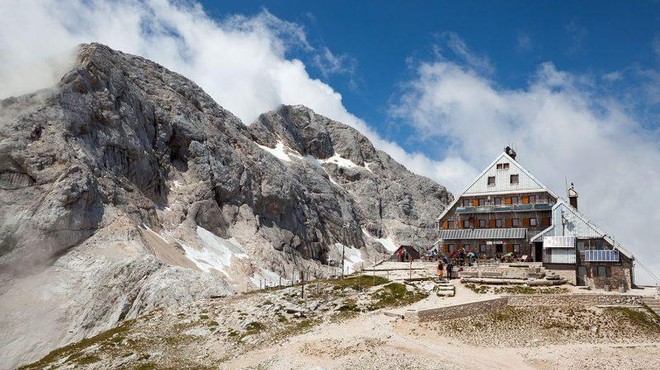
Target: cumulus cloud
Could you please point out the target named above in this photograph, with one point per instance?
(240, 61)
(562, 130)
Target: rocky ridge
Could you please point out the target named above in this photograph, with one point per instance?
(126, 188)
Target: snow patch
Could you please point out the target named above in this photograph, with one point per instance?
(339, 161)
(388, 243)
(352, 258)
(216, 252)
(280, 151)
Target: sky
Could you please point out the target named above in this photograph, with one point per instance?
(441, 86)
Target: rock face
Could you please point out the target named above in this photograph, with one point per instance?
(126, 187)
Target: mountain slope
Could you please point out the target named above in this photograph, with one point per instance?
(126, 187)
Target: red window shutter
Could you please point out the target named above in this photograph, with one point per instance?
(508, 222)
(444, 224)
(525, 222)
(507, 200)
(525, 200)
(475, 202)
(492, 224)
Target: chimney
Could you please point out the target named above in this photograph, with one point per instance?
(572, 196)
(510, 152)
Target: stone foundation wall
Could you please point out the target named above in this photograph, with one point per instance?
(566, 274)
(461, 310)
(483, 307)
(574, 299)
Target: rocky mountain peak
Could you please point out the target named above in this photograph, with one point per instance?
(126, 187)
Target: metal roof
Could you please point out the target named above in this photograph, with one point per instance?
(508, 233)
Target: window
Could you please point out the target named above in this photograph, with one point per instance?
(491, 180)
(543, 199)
(602, 271)
(482, 201)
(532, 221)
(498, 201)
(514, 179)
(482, 248)
(450, 224)
(466, 202)
(514, 200)
(502, 166)
(516, 248)
(599, 246)
(467, 224)
(515, 222)
(532, 199)
(498, 223)
(580, 246)
(482, 223)
(452, 248)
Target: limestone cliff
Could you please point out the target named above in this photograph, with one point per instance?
(126, 187)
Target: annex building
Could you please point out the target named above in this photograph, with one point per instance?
(507, 211)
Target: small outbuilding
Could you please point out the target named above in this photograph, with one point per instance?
(405, 253)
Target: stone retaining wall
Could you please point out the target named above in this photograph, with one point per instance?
(574, 299)
(483, 307)
(461, 310)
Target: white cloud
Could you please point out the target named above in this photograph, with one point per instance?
(240, 61)
(560, 127)
(329, 63)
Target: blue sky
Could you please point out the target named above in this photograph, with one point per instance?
(442, 87)
(380, 40)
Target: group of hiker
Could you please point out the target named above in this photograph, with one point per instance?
(445, 268)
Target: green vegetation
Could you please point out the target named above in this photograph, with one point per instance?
(394, 295)
(638, 317)
(74, 350)
(358, 282)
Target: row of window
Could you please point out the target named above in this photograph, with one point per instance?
(498, 201)
(483, 248)
(509, 222)
(513, 180)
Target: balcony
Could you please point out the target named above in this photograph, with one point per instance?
(504, 208)
(601, 256)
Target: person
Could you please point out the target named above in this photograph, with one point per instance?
(440, 267)
(434, 256)
(400, 254)
(449, 268)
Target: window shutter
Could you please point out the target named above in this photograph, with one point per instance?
(509, 222)
(444, 224)
(525, 200)
(492, 224)
(475, 202)
(509, 247)
(525, 222)
(507, 200)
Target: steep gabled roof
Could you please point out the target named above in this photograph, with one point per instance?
(582, 227)
(527, 183)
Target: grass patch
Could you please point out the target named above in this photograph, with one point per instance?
(297, 328)
(394, 295)
(636, 317)
(254, 327)
(358, 282)
(75, 348)
(479, 289)
(204, 317)
(88, 360)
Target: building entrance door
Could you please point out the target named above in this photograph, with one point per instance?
(538, 252)
(581, 273)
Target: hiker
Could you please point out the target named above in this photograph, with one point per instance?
(449, 268)
(440, 266)
(400, 254)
